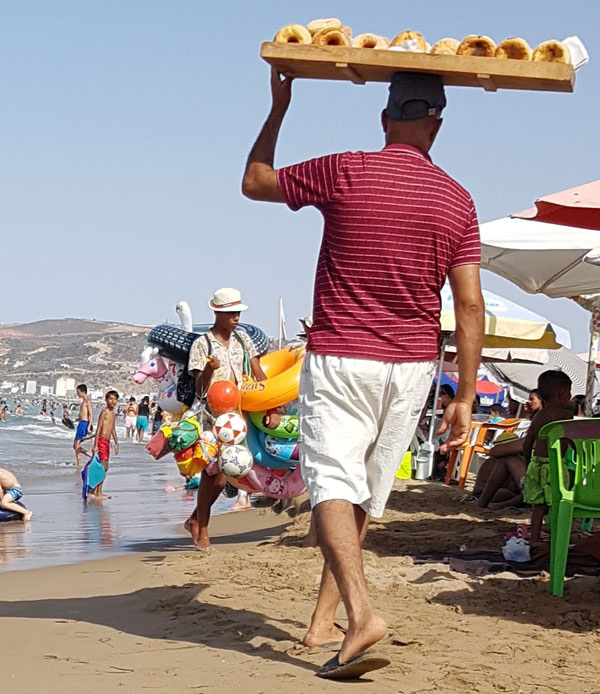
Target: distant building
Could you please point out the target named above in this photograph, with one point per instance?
(45, 390)
(30, 388)
(64, 387)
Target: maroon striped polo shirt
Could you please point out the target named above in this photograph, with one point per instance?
(394, 225)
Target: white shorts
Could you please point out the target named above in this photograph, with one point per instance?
(130, 421)
(357, 419)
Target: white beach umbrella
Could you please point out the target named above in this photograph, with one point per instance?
(551, 257)
(542, 258)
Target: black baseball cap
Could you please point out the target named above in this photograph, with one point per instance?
(415, 95)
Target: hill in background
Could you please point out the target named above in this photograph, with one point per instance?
(99, 353)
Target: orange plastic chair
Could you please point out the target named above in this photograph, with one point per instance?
(474, 444)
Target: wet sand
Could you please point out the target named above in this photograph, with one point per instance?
(176, 621)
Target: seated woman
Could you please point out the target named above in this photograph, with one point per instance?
(498, 482)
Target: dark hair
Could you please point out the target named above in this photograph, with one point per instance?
(496, 408)
(132, 399)
(551, 383)
(111, 392)
(578, 401)
(536, 392)
(82, 387)
(448, 390)
(146, 400)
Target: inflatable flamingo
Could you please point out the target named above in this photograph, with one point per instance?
(156, 368)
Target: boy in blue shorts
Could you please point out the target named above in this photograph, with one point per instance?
(84, 421)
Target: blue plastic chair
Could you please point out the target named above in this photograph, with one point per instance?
(579, 500)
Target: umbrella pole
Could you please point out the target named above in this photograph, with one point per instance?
(432, 423)
(591, 373)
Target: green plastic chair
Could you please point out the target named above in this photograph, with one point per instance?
(582, 499)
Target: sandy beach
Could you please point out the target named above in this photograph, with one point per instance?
(174, 620)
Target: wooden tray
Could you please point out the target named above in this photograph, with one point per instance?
(360, 65)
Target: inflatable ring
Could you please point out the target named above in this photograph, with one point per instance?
(293, 33)
(175, 343)
(444, 47)
(287, 429)
(283, 449)
(261, 457)
(481, 46)
(370, 41)
(552, 52)
(282, 369)
(514, 49)
(410, 41)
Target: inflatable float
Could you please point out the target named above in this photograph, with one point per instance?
(6, 515)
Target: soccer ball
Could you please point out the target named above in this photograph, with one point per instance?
(235, 461)
(230, 428)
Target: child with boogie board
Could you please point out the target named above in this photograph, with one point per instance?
(105, 430)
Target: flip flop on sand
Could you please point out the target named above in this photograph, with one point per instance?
(354, 668)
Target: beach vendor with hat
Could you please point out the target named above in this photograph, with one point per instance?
(396, 226)
(220, 355)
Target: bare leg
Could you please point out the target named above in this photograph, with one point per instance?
(98, 490)
(208, 492)
(497, 479)
(340, 543)
(482, 475)
(311, 539)
(77, 449)
(8, 504)
(322, 628)
(537, 520)
(242, 503)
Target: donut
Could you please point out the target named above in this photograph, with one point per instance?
(552, 52)
(514, 49)
(331, 37)
(370, 41)
(318, 24)
(444, 47)
(481, 46)
(410, 41)
(293, 33)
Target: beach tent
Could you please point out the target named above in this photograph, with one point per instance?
(545, 251)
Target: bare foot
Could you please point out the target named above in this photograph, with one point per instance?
(101, 497)
(203, 545)
(241, 507)
(27, 516)
(361, 636)
(320, 635)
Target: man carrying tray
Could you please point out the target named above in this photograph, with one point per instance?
(395, 227)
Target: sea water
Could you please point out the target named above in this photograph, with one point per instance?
(140, 516)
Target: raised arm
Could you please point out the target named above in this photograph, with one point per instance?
(260, 178)
(470, 320)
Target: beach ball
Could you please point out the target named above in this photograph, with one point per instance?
(222, 397)
(235, 461)
(230, 428)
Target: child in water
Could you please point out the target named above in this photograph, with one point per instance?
(104, 431)
(11, 492)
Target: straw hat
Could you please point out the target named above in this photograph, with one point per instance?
(227, 300)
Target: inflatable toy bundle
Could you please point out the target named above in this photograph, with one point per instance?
(226, 432)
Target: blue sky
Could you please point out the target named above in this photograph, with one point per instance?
(126, 125)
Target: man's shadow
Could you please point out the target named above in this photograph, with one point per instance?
(168, 613)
